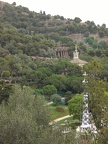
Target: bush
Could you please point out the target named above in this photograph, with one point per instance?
(60, 109)
(56, 99)
(86, 34)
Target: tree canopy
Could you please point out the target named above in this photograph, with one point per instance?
(75, 106)
(98, 98)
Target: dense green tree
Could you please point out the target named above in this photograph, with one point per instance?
(74, 84)
(68, 96)
(101, 34)
(98, 53)
(70, 28)
(97, 97)
(65, 67)
(5, 91)
(54, 36)
(77, 20)
(58, 81)
(56, 99)
(61, 66)
(75, 106)
(86, 34)
(3, 52)
(38, 76)
(27, 128)
(91, 52)
(90, 40)
(104, 73)
(6, 74)
(66, 40)
(14, 3)
(49, 90)
(3, 66)
(103, 45)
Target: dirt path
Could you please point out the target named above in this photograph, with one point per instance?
(61, 118)
(49, 103)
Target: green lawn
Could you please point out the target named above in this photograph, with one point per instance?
(70, 123)
(58, 111)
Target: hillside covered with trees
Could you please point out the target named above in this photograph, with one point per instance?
(25, 34)
(37, 34)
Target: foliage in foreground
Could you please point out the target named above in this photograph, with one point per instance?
(98, 99)
(25, 118)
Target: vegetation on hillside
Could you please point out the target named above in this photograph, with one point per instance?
(24, 34)
(37, 34)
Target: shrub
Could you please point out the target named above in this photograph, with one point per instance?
(60, 109)
(56, 99)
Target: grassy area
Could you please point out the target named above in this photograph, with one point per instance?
(58, 111)
(73, 123)
(54, 105)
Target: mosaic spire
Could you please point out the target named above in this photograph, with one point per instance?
(86, 116)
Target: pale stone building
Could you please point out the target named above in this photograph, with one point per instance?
(76, 59)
